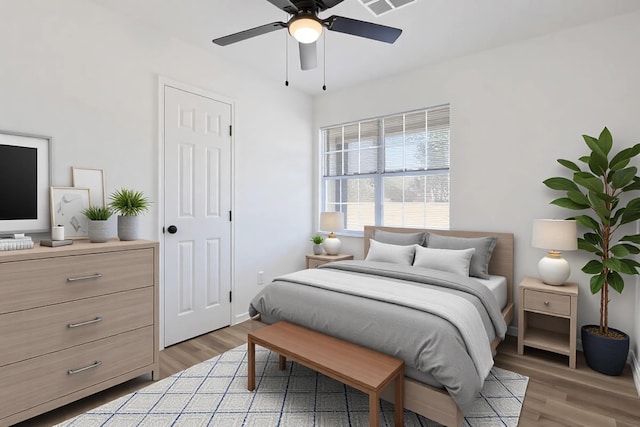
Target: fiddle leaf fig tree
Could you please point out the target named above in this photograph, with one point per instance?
(599, 190)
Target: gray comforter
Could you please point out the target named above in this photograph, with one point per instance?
(415, 320)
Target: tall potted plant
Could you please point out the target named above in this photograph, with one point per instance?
(605, 189)
(130, 205)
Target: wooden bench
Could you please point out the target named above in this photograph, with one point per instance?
(361, 368)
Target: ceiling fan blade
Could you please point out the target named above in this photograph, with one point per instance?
(364, 29)
(308, 56)
(327, 4)
(247, 34)
(285, 5)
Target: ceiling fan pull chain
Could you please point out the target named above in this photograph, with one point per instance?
(286, 59)
(324, 60)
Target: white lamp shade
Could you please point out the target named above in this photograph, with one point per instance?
(332, 221)
(555, 234)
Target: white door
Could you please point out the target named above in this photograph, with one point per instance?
(197, 237)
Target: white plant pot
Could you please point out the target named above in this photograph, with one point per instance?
(128, 227)
(98, 231)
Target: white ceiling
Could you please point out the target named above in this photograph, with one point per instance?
(433, 30)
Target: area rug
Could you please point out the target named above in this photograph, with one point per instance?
(214, 393)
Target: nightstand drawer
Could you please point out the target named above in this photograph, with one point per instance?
(547, 302)
(314, 263)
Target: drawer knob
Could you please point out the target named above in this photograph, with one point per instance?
(546, 303)
(77, 371)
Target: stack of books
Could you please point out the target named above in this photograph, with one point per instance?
(15, 243)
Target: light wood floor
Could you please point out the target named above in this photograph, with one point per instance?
(556, 395)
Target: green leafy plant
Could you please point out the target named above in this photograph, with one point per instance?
(317, 239)
(128, 202)
(599, 189)
(97, 213)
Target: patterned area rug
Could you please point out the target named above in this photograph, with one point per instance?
(214, 393)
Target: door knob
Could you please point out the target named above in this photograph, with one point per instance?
(172, 229)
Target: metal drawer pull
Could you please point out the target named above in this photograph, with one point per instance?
(77, 371)
(92, 276)
(88, 322)
(546, 303)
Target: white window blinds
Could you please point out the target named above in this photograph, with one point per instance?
(391, 170)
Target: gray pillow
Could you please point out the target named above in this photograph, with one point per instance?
(479, 261)
(403, 239)
(454, 261)
(396, 254)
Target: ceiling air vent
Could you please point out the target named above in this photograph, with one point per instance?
(380, 7)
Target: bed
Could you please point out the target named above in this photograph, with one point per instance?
(444, 325)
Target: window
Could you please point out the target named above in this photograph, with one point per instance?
(391, 171)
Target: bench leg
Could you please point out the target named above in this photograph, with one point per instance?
(399, 402)
(374, 410)
(251, 368)
(282, 362)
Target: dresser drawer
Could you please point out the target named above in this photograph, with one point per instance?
(546, 302)
(29, 333)
(27, 384)
(36, 283)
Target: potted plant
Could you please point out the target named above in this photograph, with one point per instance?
(605, 189)
(129, 204)
(98, 226)
(317, 244)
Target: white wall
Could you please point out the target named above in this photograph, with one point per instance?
(89, 78)
(514, 111)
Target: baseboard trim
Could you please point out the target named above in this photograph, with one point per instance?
(635, 370)
(241, 318)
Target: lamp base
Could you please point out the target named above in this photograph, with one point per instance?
(553, 269)
(331, 245)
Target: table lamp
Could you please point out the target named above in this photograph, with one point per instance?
(331, 221)
(554, 235)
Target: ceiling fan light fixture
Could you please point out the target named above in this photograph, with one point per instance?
(305, 28)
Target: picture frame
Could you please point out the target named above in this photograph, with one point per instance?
(33, 185)
(93, 179)
(67, 204)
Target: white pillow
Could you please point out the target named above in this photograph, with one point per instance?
(390, 253)
(452, 260)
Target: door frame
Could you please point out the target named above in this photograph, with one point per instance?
(167, 82)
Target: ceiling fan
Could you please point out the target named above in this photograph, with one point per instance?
(305, 26)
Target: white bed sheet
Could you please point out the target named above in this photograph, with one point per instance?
(498, 287)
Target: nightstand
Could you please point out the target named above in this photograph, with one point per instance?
(313, 261)
(547, 317)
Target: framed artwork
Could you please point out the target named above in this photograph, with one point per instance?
(25, 177)
(93, 179)
(67, 204)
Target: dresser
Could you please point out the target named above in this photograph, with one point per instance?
(75, 320)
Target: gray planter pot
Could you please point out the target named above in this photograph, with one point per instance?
(317, 249)
(98, 231)
(128, 227)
